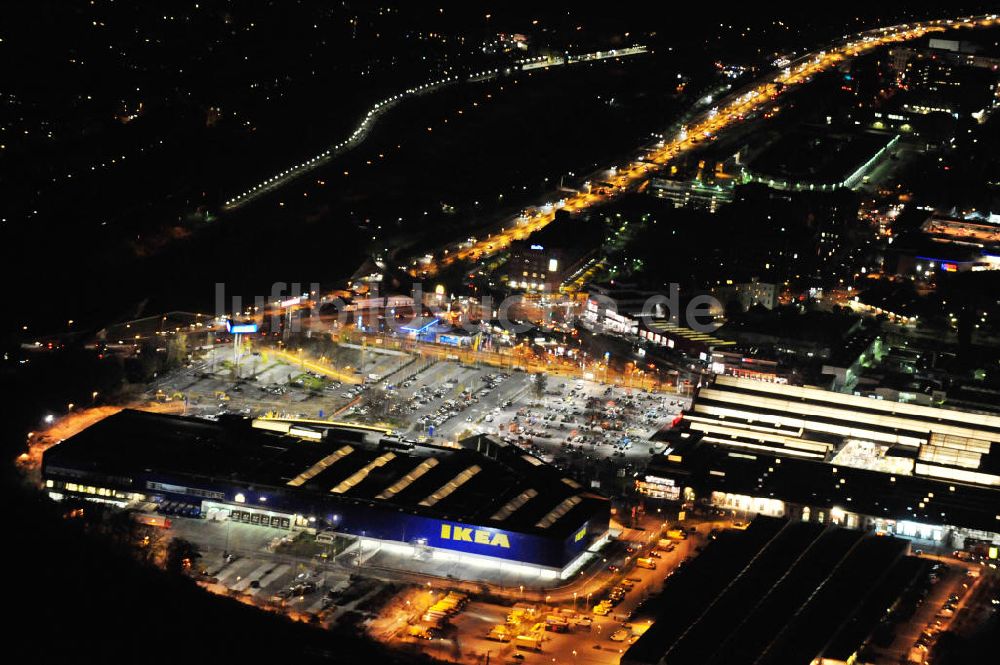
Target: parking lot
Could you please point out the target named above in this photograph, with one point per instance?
(572, 628)
(944, 593)
(442, 399)
(278, 569)
(279, 381)
(449, 399)
(584, 418)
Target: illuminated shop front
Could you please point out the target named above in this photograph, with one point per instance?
(748, 504)
(656, 487)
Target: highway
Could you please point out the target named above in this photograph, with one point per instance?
(704, 127)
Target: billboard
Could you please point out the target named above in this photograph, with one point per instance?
(237, 328)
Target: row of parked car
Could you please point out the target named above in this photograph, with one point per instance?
(179, 509)
(615, 596)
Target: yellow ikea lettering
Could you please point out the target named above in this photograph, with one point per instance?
(580, 534)
(478, 536)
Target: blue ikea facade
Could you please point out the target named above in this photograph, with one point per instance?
(481, 540)
(370, 520)
(475, 539)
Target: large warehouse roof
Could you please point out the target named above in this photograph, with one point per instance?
(810, 423)
(788, 591)
(507, 489)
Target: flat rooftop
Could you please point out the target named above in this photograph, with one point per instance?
(949, 444)
(818, 155)
(962, 230)
(923, 464)
(788, 592)
(815, 327)
(500, 487)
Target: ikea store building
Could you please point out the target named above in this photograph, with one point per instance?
(487, 503)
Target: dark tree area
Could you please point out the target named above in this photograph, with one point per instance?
(82, 598)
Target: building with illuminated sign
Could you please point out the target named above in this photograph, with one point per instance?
(651, 316)
(815, 455)
(946, 245)
(488, 505)
(544, 260)
(619, 310)
(657, 487)
(737, 364)
(422, 327)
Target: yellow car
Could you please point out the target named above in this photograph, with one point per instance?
(602, 609)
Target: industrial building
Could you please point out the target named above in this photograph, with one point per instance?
(946, 245)
(783, 592)
(814, 159)
(692, 193)
(818, 456)
(489, 505)
(946, 76)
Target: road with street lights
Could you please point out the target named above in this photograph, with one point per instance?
(729, 112)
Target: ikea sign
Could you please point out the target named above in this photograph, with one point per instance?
(478, 539)
(485, 540)
(468, 534)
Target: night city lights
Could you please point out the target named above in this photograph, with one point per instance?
(548, 333)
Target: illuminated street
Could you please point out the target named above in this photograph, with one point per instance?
(502, 334)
